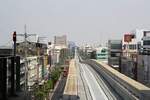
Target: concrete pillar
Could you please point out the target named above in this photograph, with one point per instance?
(3, 78)
(18, 73)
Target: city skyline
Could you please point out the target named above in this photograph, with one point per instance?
(86, 21)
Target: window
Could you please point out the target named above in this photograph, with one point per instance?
(113, 55)
(101, 54)
(146, 42)
(116, 46)
(132, 46)
(103, 50)
(124, 46)
(139, 46)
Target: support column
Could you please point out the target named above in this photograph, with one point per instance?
(3, 78)
(12, 67)
(18, 73)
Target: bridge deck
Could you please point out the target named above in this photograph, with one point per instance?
(71, 84)
(122, 83)
(123, 77)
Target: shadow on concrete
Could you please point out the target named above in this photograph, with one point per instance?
(70, 97)
(58, 93)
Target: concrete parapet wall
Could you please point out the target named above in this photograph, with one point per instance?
(126, 87)
(70, 91)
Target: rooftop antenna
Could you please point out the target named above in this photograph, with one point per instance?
(25, 32)
(25, 28)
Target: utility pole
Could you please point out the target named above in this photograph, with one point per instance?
(25, 35)
(14, 39)
(40, 57)
(13, 63)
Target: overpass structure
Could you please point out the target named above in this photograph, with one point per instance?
(70, 91)
(125, 87)
(94, 80)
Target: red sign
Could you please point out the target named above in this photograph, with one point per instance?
(128, 37)
(14, 36)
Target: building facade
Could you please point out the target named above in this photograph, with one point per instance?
(114, 52)
(60, 40)
(135, 59)
(102, 54)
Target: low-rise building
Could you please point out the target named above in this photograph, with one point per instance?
(114, 52)
(60, 42)
(102, 54)
(10, 76)
(143, 59)
(135, 58)
(143, 69)
(6, 51)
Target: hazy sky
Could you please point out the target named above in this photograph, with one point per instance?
(83, 21)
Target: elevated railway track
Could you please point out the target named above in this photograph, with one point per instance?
(99, 81)
(125, 87)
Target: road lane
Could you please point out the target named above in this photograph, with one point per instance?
(58, 93)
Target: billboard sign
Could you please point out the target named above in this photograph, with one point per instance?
(128, 37)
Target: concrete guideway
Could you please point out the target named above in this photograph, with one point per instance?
(95, 90)
(98, 81)
(106, 88)
(88, 86)
(125, 87)
(70, 91)
(83, 83)
(83, 89)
